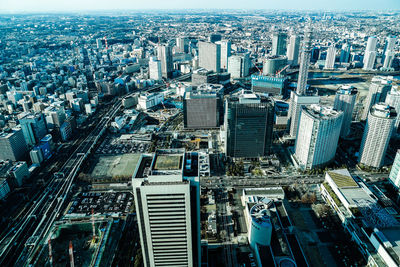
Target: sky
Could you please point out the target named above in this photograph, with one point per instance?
(93, 5)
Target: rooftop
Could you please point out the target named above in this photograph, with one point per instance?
(382, 110)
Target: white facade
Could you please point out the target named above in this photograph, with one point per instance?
(394, 175)
(155, 69)
(330, 58)
(164, 54)
(210, 56)
(147, 101)
(239, 65)
(393, 100)
(369, 60)
(345, 100)
(377, 133)
(36, 155)
(380, 86)
(260, 225)
(293, 49)
(318, 136)
(304, 64)
(296, 102)
(225, 53)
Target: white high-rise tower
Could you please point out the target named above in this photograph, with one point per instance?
(330, 58)
(304, 63)
(370, 53)
(380, 86)
(293, 49)
(345, 100)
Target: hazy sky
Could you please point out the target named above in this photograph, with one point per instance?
(77, 5)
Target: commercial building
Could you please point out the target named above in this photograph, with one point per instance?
(12, 145)
(203, 107)
(279, 44)
(210, 56)
(149, 100)
(269, 85)
(155, 70)
(202, 76)
(167, 199)
(377, 133)
(293, 50)
(33, 127)
(164, 54)
(372, 226)
(19, 171)
(55, 116)
(345, 53)
(296, 102)
(394, 176)
(239, 65)
(317, 137)
(225, 53)
(330, 58)
(248, 125)
(378, 90)
(4, 188)
(304, 63)
(345, 100)
(273, 64)
(182, 45)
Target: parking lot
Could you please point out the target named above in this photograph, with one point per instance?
(113, 145)
(104, 203)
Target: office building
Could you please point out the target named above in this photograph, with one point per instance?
(279, 44)
(273, 64)
(12, 145)
(293, 50)
(367, 215)
(318, 136)
(330, 58)
(55, 116)
(378, 90)
(99, 43)
(164, 54)
(225, 53)
(214, 37)
(345, 100)
(296, 102)
(394, 176)
(377, 133)
(201, 76)
(210, 56)
(304, 63)
(149, 100)
(36, 156)
(269, 85)
(155, 70)
(167, 199)
(4, 188)
(345, 53)
(19, 172)
(393, 100)
(239, 65)
(33, 127)
(248, 125)
(203, 107)
(182, 45)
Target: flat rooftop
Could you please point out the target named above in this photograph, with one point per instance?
(167, 162)
(342, 180)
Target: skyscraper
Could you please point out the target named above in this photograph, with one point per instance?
(296, 102)
(12, 145)
(239, 65)
(279, 44)
(330, 58)
(394, 176)
(33, 127)
(167, 199)
(210, 56)
(182, 44)
(155, 69)
(380, 86)
(370, 53)
(273, 64)
(377, 133)
(304, 63)
(293, 49)
(225, 53)
(345, 53)
(164, 53)
(390, 44)
(393, 100)
(248, 125)
(345, 100)
(318, 136)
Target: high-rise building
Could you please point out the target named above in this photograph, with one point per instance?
(304, 63)
(214, 37)
(210, 56)
(345, 100)
(225, 53)
(296, 102)
(293, 49)
(248, 125)
(279, 44)
(370, 53)
(155, 69)
(99, 43)
(377, 133)
(182, 45)
(330, 58)
(273, 64)
(378, 90)
(345, 53)
(203, 107)
(12, 145)
(167, 199)
(390, 44)
(164, 54)
(393, 100)
(388, 60)
(394, 176)
(318, 136)
(239, 65)
(33, 127)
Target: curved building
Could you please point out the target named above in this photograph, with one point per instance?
(345, 100)
(377, 133)
(273, 64)
(260, 225)
(393, 100)
(318, 136)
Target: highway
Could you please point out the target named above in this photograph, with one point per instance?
(24, 242)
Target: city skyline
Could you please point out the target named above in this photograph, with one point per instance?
(125, 5)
